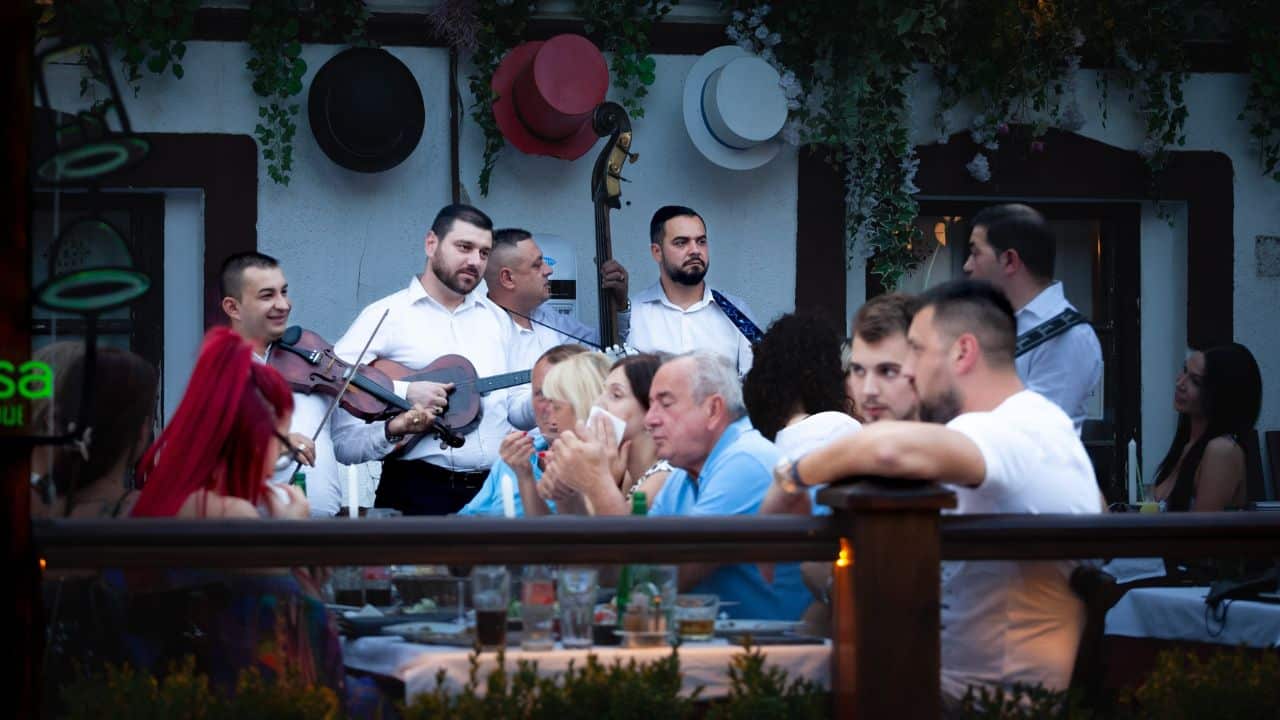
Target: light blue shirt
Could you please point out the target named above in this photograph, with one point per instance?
(1066, 369)
(488, 500)
(734, 480)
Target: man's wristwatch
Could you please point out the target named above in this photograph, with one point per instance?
(787, 476)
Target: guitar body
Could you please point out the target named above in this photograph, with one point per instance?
(464, 410)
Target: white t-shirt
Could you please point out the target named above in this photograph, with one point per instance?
(810, 434)
(1006, 622)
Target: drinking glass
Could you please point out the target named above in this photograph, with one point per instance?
(696, 616)
(537, 607)
(577, 593)
(491, 595)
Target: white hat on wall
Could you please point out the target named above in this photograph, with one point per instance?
(734, 108)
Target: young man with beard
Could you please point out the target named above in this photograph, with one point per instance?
(1003, 449)
(1012, 247)
(681, 313)
(437, 314)
(255, 298)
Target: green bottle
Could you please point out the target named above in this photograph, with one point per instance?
(300, 480)
(639, 506)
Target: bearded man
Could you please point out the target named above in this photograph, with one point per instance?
(681, 313)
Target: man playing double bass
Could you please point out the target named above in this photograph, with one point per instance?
(438, 313)
(255, 298)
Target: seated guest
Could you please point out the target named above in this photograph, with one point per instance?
(568, 391)
(634, 466)
(876, 356)
(523, 447)
(697, 421)
(1217, 397)
(1005, 449)
(124, 390)
(794, 391)
(214, 460)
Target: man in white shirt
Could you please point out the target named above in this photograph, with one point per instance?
(518, 282)
(437, 314)
(1012, 247)
(255, 298)
(680, 313)
(1004, 449)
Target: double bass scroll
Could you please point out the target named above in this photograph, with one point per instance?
(610, 120)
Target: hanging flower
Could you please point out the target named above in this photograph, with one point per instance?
(979, 168)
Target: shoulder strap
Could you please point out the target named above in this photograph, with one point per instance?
(749, 330)
(1047, 330)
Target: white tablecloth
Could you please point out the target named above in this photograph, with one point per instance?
(705, 664)
(1179, 613)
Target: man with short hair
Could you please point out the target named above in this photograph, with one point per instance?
(698, 423)
(879, 350)
(1012, 247)
(1004, 449)
(681, 312)
(255, 298)
(437, 314)
(518, 281)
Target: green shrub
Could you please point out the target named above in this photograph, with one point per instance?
(1021, 702)
(760, 693)
(126, 694)
(1230, 685)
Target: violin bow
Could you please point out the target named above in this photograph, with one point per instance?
(355, 368)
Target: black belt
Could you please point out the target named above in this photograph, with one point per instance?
(423, 470)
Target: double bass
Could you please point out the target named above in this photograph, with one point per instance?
(610, 120)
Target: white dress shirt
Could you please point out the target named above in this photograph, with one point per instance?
(417, 331)
(658, 325)
(1065, 369)
(324, 491)
(528, 344)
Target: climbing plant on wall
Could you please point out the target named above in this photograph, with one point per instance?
(623, 28)
(846, 78)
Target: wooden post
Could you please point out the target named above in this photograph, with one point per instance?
(886, 600)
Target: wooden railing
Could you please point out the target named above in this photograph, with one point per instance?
(886, 602)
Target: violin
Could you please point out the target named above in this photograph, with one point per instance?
(308, 363)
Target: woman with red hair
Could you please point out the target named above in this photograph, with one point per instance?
(217, 453)
(214, 460)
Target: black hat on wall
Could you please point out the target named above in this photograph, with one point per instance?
(366, 110)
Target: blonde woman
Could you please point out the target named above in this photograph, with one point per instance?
(568, 392)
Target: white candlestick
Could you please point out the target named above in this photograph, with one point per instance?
(508, 495)
(353, 492)
(1133, 471)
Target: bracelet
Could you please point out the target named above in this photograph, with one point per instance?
(386, 433)
(787, 476)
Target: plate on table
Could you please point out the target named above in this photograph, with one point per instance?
(431, 633)
(757, 627)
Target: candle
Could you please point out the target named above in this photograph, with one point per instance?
(353, 492)
(1133, 471)
(508, 494)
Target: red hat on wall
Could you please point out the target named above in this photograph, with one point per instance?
(547, 92)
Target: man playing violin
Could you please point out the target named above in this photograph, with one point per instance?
(255, 297)
(438, 313)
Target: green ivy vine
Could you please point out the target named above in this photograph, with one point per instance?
(277, 67)
(623, 28)
(1257, 24)
(499, 26)
(854, 105)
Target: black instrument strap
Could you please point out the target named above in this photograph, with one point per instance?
(1047, 330)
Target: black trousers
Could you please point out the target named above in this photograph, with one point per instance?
(416, 487)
